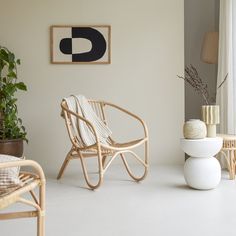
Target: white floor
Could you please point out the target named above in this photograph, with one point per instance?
(162, 205)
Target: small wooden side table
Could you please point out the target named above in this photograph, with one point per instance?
(229, 152)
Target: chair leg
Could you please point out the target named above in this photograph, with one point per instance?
(64, 165)
(235, 161)
(145, 164)
(40, 225)
(232, 165)
(41, 212)
(136, 178)
(104, 161)
(85, 172)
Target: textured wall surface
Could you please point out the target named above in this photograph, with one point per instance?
(147, 52)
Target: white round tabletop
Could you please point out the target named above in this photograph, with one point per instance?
(206, 147)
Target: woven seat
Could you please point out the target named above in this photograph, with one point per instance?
(105, 153)
(28, 182)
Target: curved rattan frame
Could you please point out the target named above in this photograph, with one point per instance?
(228, 151)
(29, 181)
(99, 150)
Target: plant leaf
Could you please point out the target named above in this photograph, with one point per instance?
(4, 55)
(11, 74)
(21, 86)
(11, 57)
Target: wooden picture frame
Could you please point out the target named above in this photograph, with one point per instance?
(88, 44)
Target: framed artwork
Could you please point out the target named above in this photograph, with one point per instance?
(80, 44)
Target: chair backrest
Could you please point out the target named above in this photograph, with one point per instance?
(75, 136)
(98, 107)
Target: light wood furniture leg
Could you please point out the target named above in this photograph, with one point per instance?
(104, 160)
(235, 161)
(85, 171)
(145, 164)
(64, 165)
(232, 165)
(41, 213)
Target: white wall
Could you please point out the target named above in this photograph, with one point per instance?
(147, 54)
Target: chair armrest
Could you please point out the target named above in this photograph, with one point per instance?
(130, 114)
(30, 163)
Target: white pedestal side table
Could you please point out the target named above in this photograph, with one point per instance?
(202, 170)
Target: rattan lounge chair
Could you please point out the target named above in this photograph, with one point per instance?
(29, 182)
(105, 154)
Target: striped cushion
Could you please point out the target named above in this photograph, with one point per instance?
(9, 177)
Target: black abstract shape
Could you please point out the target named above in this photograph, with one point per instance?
(97, 40)
(66, 46)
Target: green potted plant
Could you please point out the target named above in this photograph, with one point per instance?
(12, 132)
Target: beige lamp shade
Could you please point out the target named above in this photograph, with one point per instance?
(209, 52)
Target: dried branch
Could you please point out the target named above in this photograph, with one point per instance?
(222, 81)
(195, 81)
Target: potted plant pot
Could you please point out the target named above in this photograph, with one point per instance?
(13, 147)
